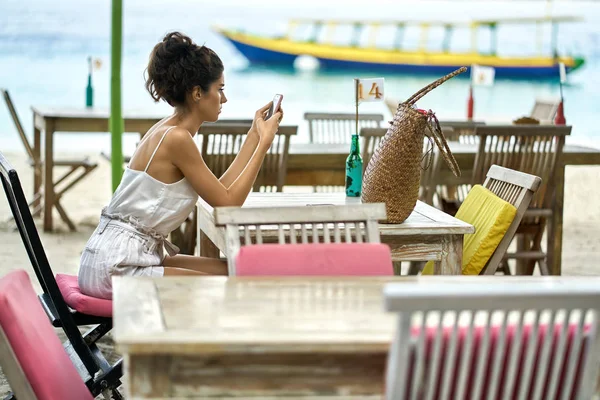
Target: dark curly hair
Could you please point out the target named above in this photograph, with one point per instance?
(177, 65)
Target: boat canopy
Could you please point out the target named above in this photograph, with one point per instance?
(400, 25)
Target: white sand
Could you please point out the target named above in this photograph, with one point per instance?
(581, 236)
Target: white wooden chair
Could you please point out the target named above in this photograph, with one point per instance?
(516, 188)
(544, 110)
(536, 150)
(221, 142)
(370, 140)
(338, 127)
(509, 339)
(303, 224)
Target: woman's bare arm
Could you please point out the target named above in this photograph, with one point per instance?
(247, 149)
(187, 158)
(241, 160)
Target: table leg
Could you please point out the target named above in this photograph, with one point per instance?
(452, 252)
(48, 178)
(37, 165)
(555, 227)
(207, 247)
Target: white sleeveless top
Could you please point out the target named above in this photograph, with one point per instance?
(154, 205)
(131, 235)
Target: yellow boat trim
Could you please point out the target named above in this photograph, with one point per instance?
(388, 56)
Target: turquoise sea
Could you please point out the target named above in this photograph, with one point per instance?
(44, 47)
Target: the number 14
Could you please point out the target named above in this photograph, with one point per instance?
(373, 92)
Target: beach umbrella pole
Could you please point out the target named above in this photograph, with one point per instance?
(116, 117)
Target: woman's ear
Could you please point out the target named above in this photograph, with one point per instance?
(196, 94)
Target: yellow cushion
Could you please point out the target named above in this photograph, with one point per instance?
(491, 216)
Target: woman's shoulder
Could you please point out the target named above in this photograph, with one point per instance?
(177, 135)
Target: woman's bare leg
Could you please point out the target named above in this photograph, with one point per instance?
(191, 265)
(170, 271)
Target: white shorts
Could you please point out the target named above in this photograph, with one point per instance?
(117, 249)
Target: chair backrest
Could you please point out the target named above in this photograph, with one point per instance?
(39, 260)
(511, 339)
(32, 356)
(17, 122)
(304, 224)
(461, 131)
(370, 140)
(221, 142)
(496, 210)
(338, 127)
(544, 110)
(533, 149)
(518, 189)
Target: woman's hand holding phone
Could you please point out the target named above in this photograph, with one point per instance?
(267, 127)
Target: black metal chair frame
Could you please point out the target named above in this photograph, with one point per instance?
(91, 364)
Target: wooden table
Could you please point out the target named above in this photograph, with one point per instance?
(188, 337)
(51, 120)
(427, 234)
(240, 337)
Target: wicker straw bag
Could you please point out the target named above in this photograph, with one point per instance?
(393, 175)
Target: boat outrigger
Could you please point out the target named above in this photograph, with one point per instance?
(333, 56)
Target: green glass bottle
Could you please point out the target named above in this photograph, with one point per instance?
(354, 169)
(89, 90)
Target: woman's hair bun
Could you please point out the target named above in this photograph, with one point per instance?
(177, 65)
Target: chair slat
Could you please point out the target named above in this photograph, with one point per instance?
(435, 362)
(336, 233)
(559, 354)
(418, 369)
(304, 233)
(513, 359)
(528, 364)
(247, 239)
(326, 234)
(452, 353)
(258, 235)
(482, 359)
(498, 357)
(574, 354)
(545, 355)
(465, 361)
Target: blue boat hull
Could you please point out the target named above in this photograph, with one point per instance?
(257, 55)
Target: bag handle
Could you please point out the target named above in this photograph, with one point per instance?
(417, 96)
(440, 140)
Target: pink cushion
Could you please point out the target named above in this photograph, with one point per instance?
(478, 333)
(69, 288)
(39, 351)
(324, 259)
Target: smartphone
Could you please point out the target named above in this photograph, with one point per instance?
(275, 107)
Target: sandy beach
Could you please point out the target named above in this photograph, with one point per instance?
(581, 237)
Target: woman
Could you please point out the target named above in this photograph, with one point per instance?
(161, 185)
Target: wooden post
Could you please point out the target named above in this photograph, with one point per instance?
(116, 117)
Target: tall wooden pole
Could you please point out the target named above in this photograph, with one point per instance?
(116, 117)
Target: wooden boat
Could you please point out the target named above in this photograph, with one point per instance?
(371, 58)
